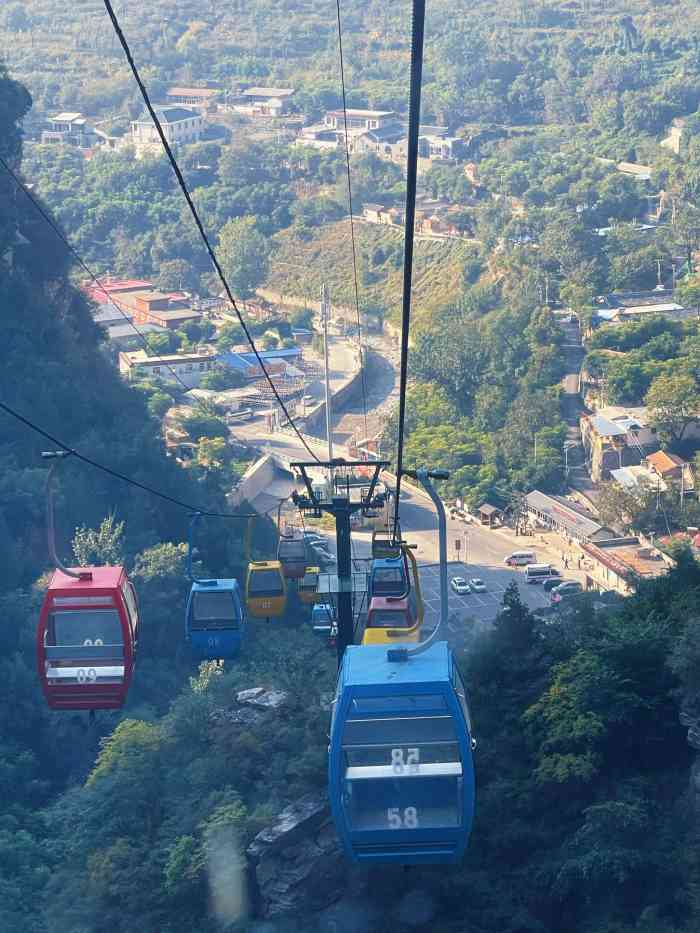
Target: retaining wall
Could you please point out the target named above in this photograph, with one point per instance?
(315, 422)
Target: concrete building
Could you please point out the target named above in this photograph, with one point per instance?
(190, 367)
(621, 564)
(640, 172)
(149, 306)
(618, 315)
(203, 98)
(318, 136)
(615, 437)
(107, 315)
(671, 467)
(565, 517)
(674, 140)
(276, 361)
(180, 126)
(633, 478)
(265, 101)
(69, 129)
(360, 121)
(124, 337)
(108, 286)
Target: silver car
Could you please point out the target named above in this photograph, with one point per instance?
(460, 586)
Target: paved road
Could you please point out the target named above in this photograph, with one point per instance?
(573, 406)
(485, 559)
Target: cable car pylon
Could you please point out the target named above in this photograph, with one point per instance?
(341, 507)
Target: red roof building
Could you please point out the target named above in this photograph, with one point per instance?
(108, 288)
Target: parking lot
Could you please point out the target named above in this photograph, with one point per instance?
(480, 606)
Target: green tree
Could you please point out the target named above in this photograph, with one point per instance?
(244, 255)
(103, 545)
(223, 377)
(673, 402)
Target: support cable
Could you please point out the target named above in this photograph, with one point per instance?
(116, 474)
(59, 233)
(352, 221)
(418, 30)
(193, 210)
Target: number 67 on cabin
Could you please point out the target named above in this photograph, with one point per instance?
(401, 776)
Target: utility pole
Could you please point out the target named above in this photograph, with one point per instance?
(659, 283)
(325, 317)
(340, 504)
(682, 488)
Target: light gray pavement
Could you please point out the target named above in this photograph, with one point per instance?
(480, 606)
(487, 549)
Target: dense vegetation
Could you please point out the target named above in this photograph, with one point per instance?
(585, 819)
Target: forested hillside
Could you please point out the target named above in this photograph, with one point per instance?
(588, 808)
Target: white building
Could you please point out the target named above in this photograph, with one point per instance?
(180, 126)
(361, 121)
(69, 128)
(189, 367)
(265, 101)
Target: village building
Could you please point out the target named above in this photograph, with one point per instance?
(276, 361)
(567, 518)
(264, 101)
(318, 136)
(125, 336)
(638, 478)
(621, 564)
(187, 368)
(107, 287)
(637, 312)
(640, 172)
(180, 126)
(615, 437)
(203, 98)
(676, 134)
(153, 307)
(70, 129)
(670, 466)
(360, 121)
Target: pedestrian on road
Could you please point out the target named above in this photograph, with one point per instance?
(566, 563)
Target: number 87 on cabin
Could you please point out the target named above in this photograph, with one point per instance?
(401, 776)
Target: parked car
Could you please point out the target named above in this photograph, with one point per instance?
(476, 585)
(322, 553)
(520, 558)
(550, 582)
(311, 536)
(460, 586)
(461, 515)
(569, 588)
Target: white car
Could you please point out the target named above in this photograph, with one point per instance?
(460, 586)
(477, 586)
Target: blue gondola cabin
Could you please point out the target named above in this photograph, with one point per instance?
(215, 619)
(388, 577)
(401, 776)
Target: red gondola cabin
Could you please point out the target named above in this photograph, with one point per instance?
(86, 640)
